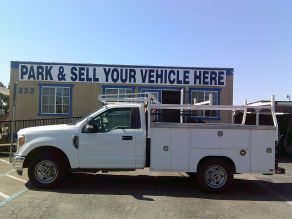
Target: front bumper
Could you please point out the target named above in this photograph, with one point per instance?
(17, 163)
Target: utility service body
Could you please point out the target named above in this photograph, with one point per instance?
(123, 75)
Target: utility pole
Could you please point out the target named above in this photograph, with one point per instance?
(13, 121)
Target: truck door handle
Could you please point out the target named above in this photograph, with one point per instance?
(127, 137)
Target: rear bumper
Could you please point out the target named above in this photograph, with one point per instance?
(279, 170)
(17, 163)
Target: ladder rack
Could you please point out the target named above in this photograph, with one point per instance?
(151, 102)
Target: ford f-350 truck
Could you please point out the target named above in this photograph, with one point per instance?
(121, 136)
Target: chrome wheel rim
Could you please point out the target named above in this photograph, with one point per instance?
(215, 176)
(46, 171)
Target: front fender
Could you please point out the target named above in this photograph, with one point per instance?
(63, 145)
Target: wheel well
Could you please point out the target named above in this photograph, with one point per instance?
(47, 150)
(227, 159)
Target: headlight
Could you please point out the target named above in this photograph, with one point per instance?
(21, 140)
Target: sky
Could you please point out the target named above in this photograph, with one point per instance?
(253, 37)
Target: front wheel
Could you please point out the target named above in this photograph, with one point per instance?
(45, 171)
(215, 175)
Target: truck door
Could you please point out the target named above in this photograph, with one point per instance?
(112, 142)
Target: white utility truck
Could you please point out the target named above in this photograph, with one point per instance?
(121, 136)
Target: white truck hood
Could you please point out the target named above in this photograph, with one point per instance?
(46, 129)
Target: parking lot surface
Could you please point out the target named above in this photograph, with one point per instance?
(143, 194)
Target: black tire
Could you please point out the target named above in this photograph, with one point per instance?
(46, 171)
(222, 178)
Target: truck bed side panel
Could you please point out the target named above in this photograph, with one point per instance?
(246, 146)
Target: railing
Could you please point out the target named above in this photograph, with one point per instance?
(5, 126)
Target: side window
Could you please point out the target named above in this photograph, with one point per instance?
(119, 92)
(55, 100)
(118, 118)
(201, 96)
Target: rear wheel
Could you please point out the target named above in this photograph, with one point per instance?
(215, 175)
(46, 171)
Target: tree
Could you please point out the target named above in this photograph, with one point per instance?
(4, 102)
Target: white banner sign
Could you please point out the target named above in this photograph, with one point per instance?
(122, 75)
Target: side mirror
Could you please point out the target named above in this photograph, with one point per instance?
(91, 126)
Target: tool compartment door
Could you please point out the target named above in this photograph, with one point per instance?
(160, 149)
(263, 151)
(180, 145)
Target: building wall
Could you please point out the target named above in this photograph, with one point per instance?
(85, 96)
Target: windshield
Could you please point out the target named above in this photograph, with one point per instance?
(87, 115)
